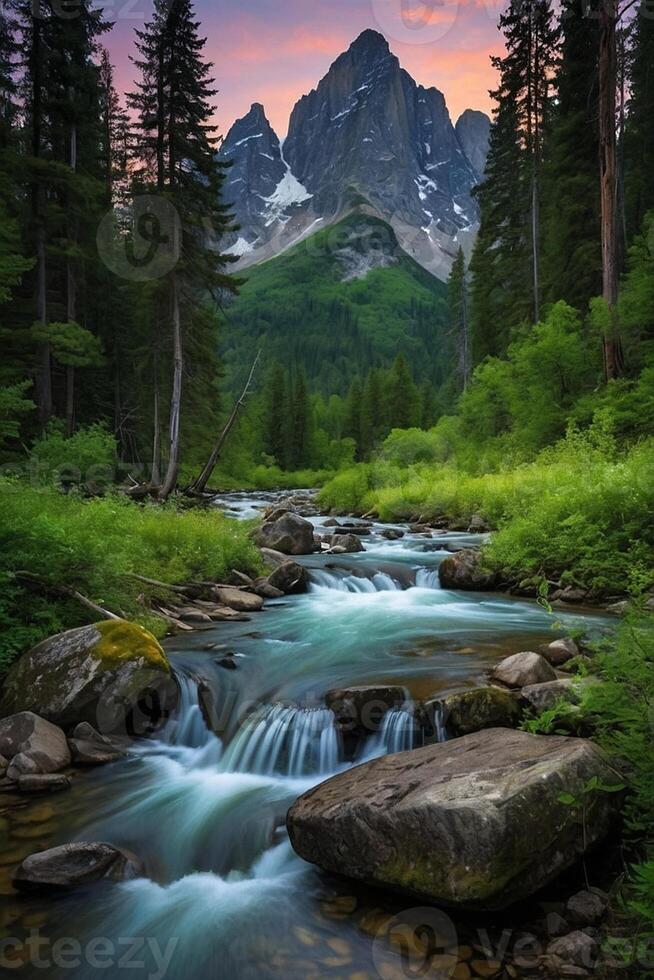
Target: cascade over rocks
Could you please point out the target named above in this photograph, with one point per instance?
(289, 534)
(476, 823)
(113, 675)
(73, 865)
(463, 570)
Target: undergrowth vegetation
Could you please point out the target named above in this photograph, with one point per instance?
(580, 513)
(50, 541)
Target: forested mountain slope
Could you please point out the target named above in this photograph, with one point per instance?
(343, 301)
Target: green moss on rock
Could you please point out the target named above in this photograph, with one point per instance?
(121, 641)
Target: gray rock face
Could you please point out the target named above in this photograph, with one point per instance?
(523, 670)
(32, 745)
(475, 823)
(290, 534)
(113, 675)
(463, 571)
(366, 135)
(73, 865)
(473, 131)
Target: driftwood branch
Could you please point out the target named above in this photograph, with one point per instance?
(29, 578)
(199, 485)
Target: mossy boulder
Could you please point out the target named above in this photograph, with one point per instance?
(473, 711)
(465, 571)
(113, 675)
(477, 823)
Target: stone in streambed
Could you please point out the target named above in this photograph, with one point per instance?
(476, 823)
(474, 711)
(464, 571)
(560, 651)
(44, 783)
(113, 675)
(522, 670)
(238, 600)
(73, 865)
(360, 711)
(288, 533)
(32, 745)
(289, 578)
(542, 697)
(346, 543)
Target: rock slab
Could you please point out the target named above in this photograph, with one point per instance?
(73, 865)
(476, 823)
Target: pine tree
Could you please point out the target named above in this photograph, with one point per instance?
(275, 415)
(572, 263)
(457, 290)
(352, 422)
(403, 400)
(639, 133)
(176, 140)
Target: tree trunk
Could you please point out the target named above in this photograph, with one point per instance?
(170, 481)
(466, 332)
(70, 400)
(608, 177)
(44, 363)
(155, 476)
(199, 485)
(71, 285)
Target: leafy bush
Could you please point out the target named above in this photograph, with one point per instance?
(95, 546)
(87, 457)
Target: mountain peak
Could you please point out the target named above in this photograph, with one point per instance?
(370, 41)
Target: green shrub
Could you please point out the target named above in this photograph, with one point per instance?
(96, 546)
(87, 457)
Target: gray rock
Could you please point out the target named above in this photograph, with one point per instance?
(473, 129)
(347, 543)
(263, 588)
(475, 823)
(586, 909)
(91, 753)
(361, 710)
(560, 651)
(4, 765)
(474, 711)
(542, 697)
(478, 525)
(392, 534)
(44, 783)
(464, 571)
(288, 534)
(73, 865)
(33, 745)
(577, 948)
(556, 925)
(290, 578)
(523, 670)
(113, 675)
(237, 599)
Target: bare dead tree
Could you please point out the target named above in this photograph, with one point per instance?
(199, 485)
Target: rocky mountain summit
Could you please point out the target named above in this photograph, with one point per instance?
(367, 137)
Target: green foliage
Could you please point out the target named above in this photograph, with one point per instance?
(71, 344)
(94, 546)
(87, 457)
(13, 406)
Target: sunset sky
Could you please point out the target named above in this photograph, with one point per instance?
(274, 51)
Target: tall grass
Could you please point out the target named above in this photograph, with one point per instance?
(96, 546)
(581, 512)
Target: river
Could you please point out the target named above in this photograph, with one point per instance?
(225, 896)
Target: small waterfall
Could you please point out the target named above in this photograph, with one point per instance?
(187, 733)
(427, 578)
(440, 731)
(333, 581)
(398, 731)
(286, 740)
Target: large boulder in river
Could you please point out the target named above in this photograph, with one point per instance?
(289, 533)
(344, 544)
(361, 710)
(476, 823)
(33, 746)
(72, 865)
(523, 670)
(113, 675)
(464, 570)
